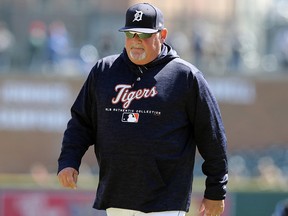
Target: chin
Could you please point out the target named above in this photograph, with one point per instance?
(139, 62)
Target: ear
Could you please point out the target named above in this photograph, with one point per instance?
(164, 33)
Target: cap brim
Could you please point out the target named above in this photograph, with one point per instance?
(140, 30)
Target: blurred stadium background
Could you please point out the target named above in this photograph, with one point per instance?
(48, 47)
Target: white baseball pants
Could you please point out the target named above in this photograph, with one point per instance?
(127, 212)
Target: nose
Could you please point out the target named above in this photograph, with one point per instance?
(136, 36)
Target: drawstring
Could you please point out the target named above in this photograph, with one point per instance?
(139, 73)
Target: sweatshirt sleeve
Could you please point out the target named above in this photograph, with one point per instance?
(210, 138)
(79, 134)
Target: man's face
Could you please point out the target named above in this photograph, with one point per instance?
(142, 51)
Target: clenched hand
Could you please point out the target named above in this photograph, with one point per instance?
(212, 207)
(68, 177)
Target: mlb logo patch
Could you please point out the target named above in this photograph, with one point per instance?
(130, 117)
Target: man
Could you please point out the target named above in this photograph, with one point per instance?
(146, 165)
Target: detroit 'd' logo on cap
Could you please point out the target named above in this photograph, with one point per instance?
(138, 16)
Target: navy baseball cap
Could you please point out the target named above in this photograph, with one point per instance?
(143, 18)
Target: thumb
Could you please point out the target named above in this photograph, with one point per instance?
(202, 208)
(74, 178)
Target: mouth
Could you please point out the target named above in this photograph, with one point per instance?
(135, 47)
(137, 53)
